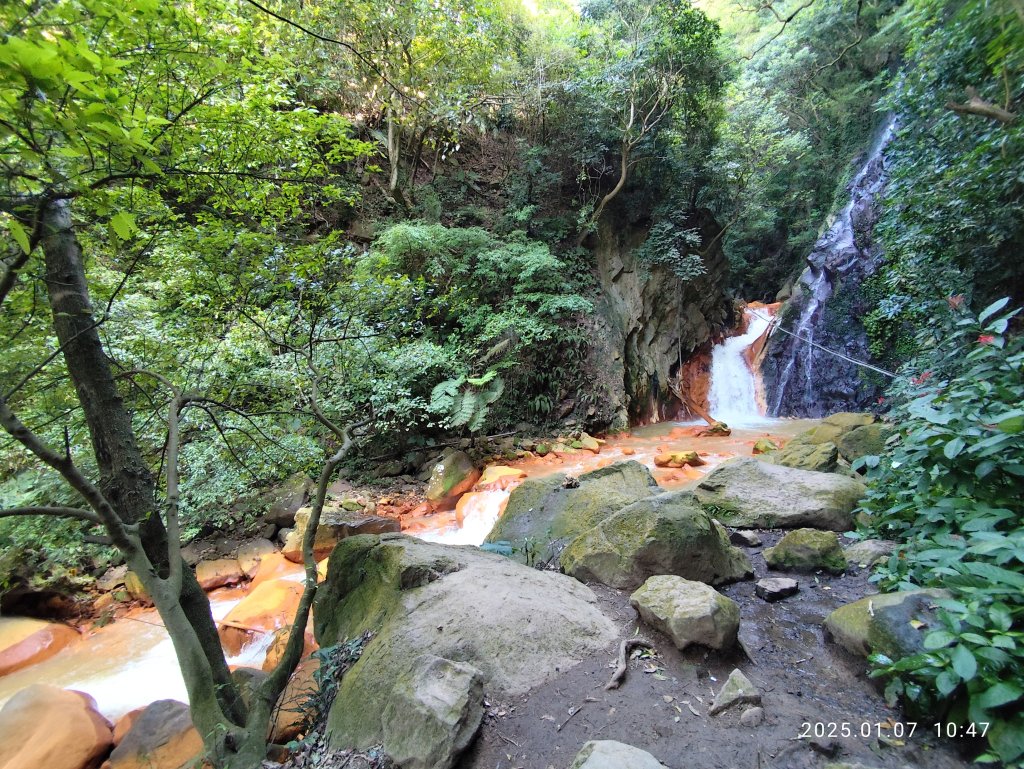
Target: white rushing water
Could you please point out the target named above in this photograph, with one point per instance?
(733, 396)
(124, 666)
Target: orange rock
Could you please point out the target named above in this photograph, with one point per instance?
(628, 451)
(271, 605)
(691, 473)
(280, 642)
(162, 737)
(289, 713)
(43, 727)
(36, 641)
(251, 554)
(124, 725)
(678, 459)
(274, 566)
(218, 573)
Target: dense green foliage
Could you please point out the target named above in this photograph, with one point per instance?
(949, 490)
(802, 106)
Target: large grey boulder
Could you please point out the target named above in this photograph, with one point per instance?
(434, 714)
(608, 754)
(893, 624)
(517, 626)
(750, 493)
(688, 612)
(665, 534)
(548, 513)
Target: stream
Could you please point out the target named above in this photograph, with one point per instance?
(131, 662)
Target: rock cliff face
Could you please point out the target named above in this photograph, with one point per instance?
(827, 308)
(647, 319)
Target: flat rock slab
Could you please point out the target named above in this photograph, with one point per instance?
(737, 690)
(749, 493)
(776, 588)
(688, 612)
(608, 754)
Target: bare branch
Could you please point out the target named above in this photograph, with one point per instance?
(59, 512)
(977, 106)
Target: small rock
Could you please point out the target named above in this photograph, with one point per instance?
(752, 717)
(282, 535)
(688, 612)
(744, 538)
(737, 690)
(267, 532)
(608, 754)
(765, 446)
(869, 552)
(807, 550)
(218, 573)
(250, 554)
(776, 588)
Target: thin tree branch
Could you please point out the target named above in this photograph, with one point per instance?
(60, 512)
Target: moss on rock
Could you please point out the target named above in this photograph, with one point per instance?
(807, 550)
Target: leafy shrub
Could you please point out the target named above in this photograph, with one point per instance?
(949, 488)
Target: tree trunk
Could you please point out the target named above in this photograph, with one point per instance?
(125, 479)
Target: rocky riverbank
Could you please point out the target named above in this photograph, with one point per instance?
(744, 608)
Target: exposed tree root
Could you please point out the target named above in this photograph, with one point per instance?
(625, 648)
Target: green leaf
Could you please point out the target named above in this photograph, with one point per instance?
(1000, 694)
(1012, 422)
(123, 225)
(993, 308)
(953, 448)
(19, 235)
(938, 639)
(964, 663)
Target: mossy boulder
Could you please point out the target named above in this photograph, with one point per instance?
(664, 534)
(549, 513)
(893, 624)
(864, 440)
(688, 612)
(517, 626)
(804, 455)
(749, 493)
(835, 443)
(434, 715)
(452, 476)
(807, 550)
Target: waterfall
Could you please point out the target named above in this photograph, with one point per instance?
(803, 380)
(733, 394)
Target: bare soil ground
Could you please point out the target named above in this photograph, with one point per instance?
(662, 706)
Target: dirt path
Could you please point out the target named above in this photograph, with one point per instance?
(805, 680)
